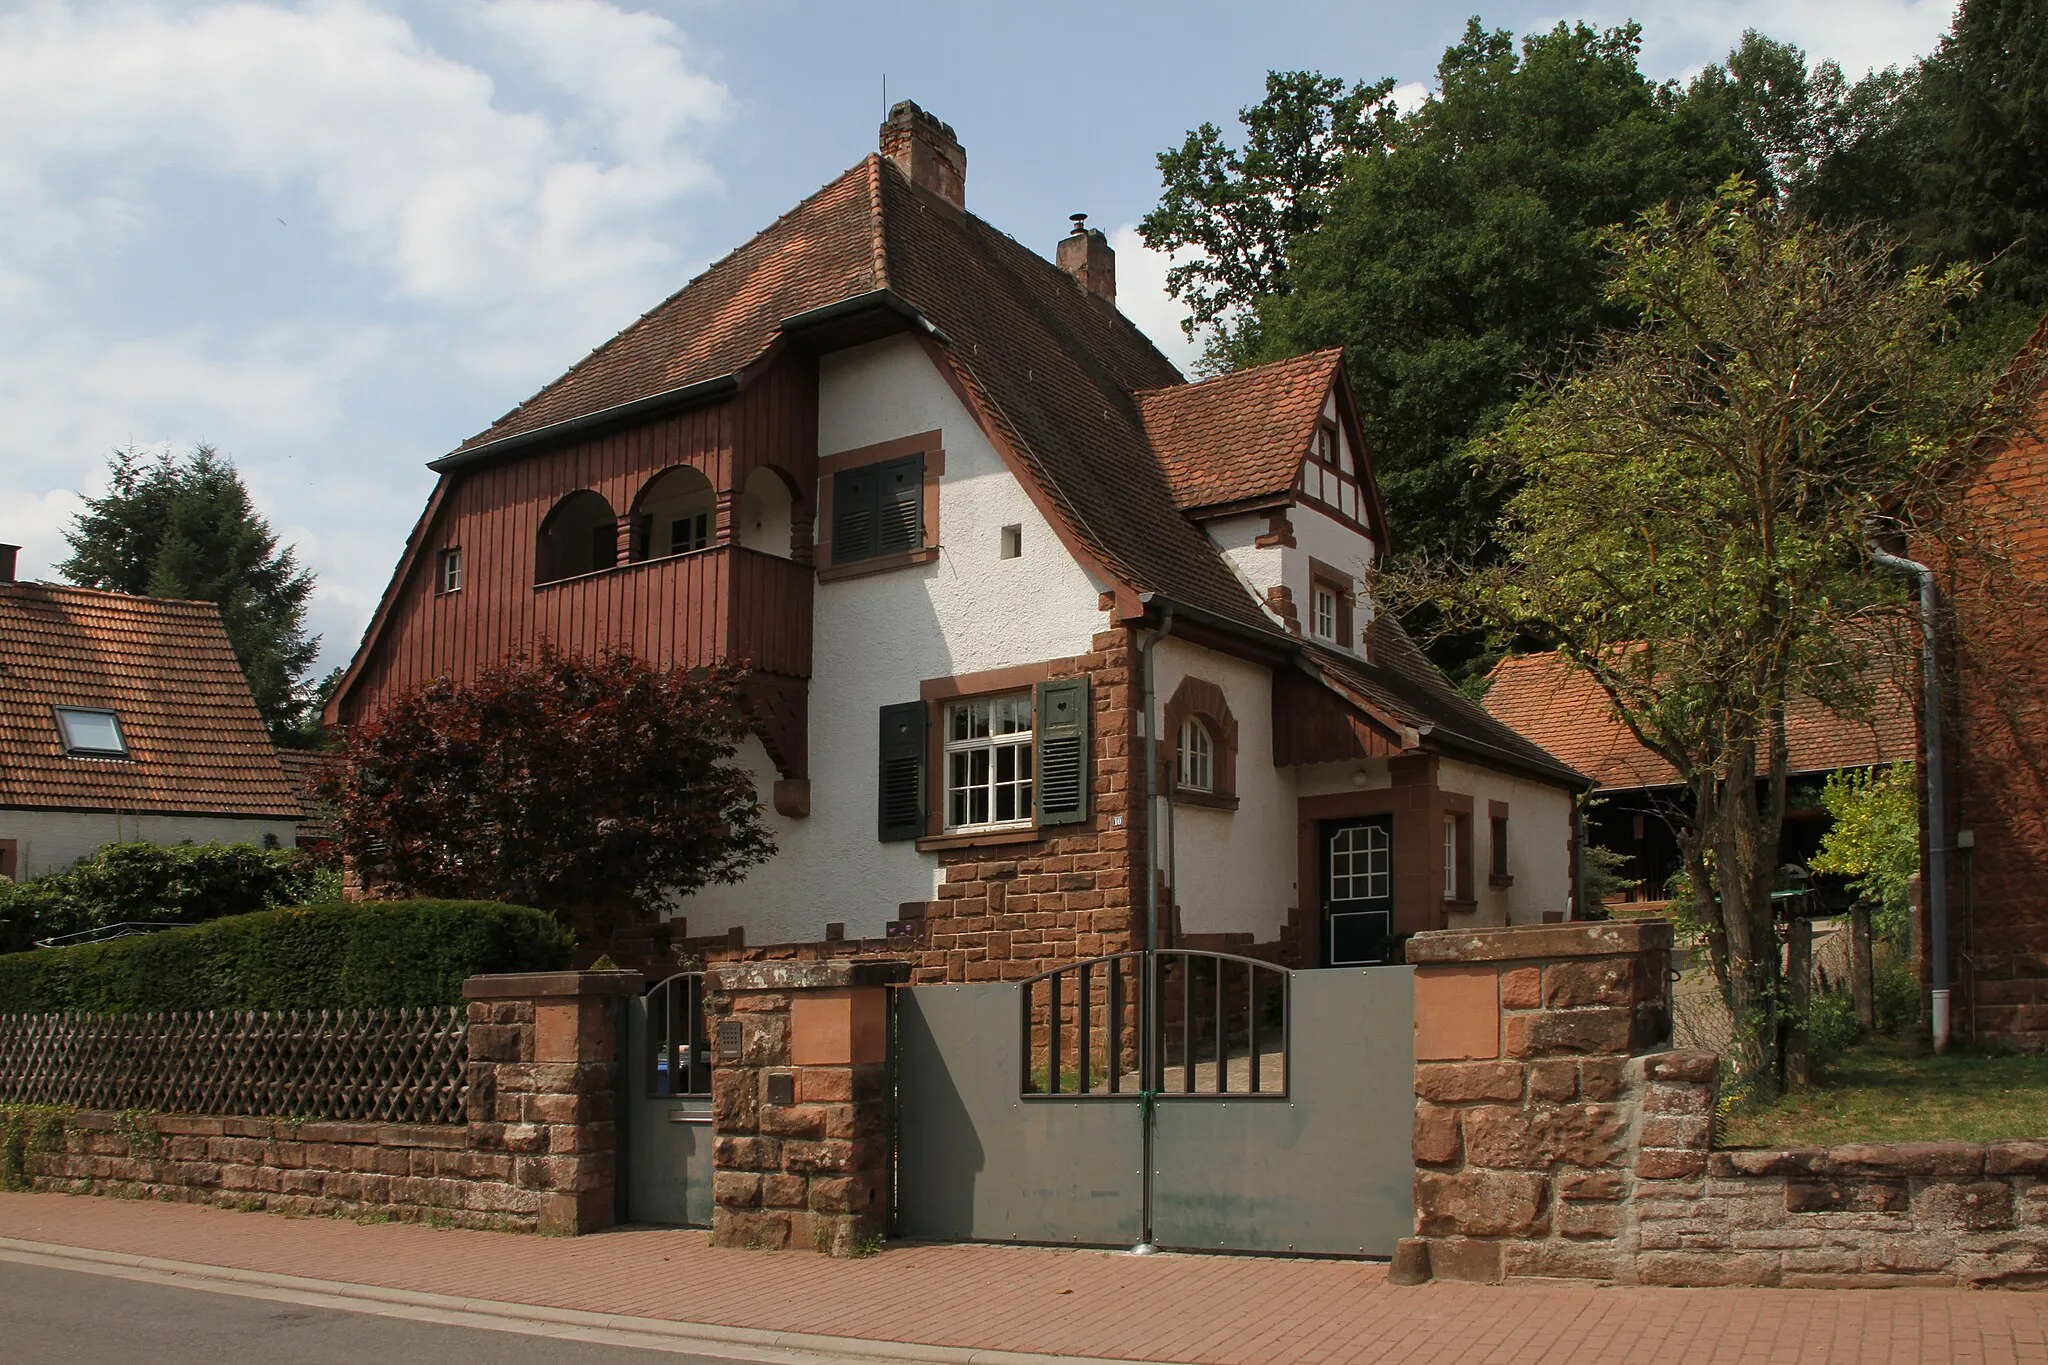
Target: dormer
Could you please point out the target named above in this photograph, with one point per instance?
(1271, 464)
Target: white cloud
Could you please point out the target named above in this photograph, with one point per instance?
(1680, 36)
(1409, 95)
(1142, 297)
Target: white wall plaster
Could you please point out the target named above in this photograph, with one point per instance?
(876, 637)
(1320, 536)
(1539, 844)
(52, 840)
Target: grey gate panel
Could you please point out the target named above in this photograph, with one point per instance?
(1328, 1169)
(976, 1161)
(665, 1138)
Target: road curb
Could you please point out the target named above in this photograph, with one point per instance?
(496, 1315)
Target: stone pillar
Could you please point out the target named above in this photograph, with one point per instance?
(543, 1064)
(800, 1103)
(1526, 1107)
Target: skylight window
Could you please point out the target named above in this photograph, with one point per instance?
(91, 734)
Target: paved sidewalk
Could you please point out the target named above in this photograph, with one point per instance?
(1083, 1303)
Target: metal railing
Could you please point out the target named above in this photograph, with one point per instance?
(678, 1041)
(1220, 1027)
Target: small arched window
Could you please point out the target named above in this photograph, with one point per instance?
(579, 536)
(1196, 770)
(677, 514)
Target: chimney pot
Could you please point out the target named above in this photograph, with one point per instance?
(7, 554)
(1087, 255)
(927, 151)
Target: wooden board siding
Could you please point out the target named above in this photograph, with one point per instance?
(725, 602)
(1310, 725)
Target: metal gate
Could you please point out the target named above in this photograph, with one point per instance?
(1196, 1100)
(665, 1106)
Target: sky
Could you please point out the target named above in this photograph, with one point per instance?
(335, 239)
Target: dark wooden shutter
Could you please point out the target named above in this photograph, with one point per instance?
(1062, 737)
(902, 801)
(854, 515)
(900, 506)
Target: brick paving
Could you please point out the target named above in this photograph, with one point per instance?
(1168, 1308)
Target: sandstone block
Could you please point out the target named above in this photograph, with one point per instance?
(1592, 1187)
(1907, 1158)
(1600, 981)
(1465, 1082)
(1480, 1204)
(1539, 1136)
(779, 1191)
(1681, 1066)
(1790, 1161)
(1845, 1196)
(1521, 988)
(1437, 1142)
(1587, 1221)
(1569, 1032)
(1463, 1260)
(1602, 1078)
(1555, 1260)
(1556, 1080)
(1702, 1268)
(1681, 1131)
(2016, 1158)
(1660, 1165)
(1973, 1206)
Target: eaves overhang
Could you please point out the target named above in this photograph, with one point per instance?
(679, 399)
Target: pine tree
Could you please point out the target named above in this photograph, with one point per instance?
(184, 527)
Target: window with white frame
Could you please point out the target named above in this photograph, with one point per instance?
(450, 578)
(1323, 613)
(1195, 755)
(988, 762)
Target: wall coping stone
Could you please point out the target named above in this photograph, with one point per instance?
(842, 974)
(1526, 942)
(542, 985)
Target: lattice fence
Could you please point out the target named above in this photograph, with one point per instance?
(393, 1066)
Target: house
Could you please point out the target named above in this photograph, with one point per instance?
(1995, 773)
(969, 528)
(125, 718)
(1548, 701)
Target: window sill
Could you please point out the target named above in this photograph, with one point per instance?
(978, 838)
(1206, 800)
(881, 564)
(1500, 880)
(1460, 903)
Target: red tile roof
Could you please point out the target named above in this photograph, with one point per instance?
(1562, 708)
(1240, 435)
(196, 744)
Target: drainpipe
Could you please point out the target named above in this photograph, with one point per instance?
(1930, 724)
(1148, 1052)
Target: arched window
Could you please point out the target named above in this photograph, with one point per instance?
(765, 506)
(677, 514)
(1195, 757)
(579, 536)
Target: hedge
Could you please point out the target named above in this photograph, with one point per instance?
(172, 883)
(370, 955)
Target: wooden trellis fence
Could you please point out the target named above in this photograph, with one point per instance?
(391, 1066)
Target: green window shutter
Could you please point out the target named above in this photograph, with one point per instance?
(1062, 737)
(900, 510)
(854, 515)
(902, 800)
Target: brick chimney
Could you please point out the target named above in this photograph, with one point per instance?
(927, 151)
(7, 554)
(1087, 255)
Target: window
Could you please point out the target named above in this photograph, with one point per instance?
(690, 533)
(1326, 445)
(1361, 864)
(1323, 613)
(1013, 542)
(1450, 857)
(878, 510)
(988, 762)
(1196, 771)
(449, 579)
(91, 734)
(1499, 866)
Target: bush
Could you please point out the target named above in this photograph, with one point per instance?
(372, 955)
(1831, 1026)
(1895, 988)
(175, 883)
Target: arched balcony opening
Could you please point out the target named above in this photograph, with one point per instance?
(766, 505)
(580, 535)
(677, 514)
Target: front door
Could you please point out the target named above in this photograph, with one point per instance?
(1358, 890)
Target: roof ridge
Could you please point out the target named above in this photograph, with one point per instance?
(41, 586)
(1327, 354)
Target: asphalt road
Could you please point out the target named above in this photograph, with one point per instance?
(49, 1315)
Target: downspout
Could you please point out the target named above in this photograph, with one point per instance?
(1148, 1051)
(1930, 724)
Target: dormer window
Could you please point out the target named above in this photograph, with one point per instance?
(90, 733)
(1323, 621)
(1329, 605)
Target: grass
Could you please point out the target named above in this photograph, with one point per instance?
(1898, 1090)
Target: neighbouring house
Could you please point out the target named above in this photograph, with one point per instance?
(1636, 796)
(125, 718)
(1996, 756)
(307, 769)
(951, 506)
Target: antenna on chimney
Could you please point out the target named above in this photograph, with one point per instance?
(1080, 222)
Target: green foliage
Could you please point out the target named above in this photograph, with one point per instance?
(185, 528)
(1875, 841)
(1604, 873)
(377, 954)
(1831, 1026)
(163, 883)
(556, 781)
(1895, 987)
(24, 1130)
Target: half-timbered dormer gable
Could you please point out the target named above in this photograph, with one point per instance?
(1270, 462)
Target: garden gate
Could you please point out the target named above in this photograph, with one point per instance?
(665, 1105)
(1188, 1099)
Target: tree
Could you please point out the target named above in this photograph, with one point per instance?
(185, 528)
(555, 781)
(1239, 212)
(1691, 512)
(1874, 840)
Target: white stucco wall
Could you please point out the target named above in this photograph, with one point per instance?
(1316, 536)
(876, 637)
(1259, 569)
(1539, 844)
(1235, 870)
(50, 841)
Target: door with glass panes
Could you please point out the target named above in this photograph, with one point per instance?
(1357, 873)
